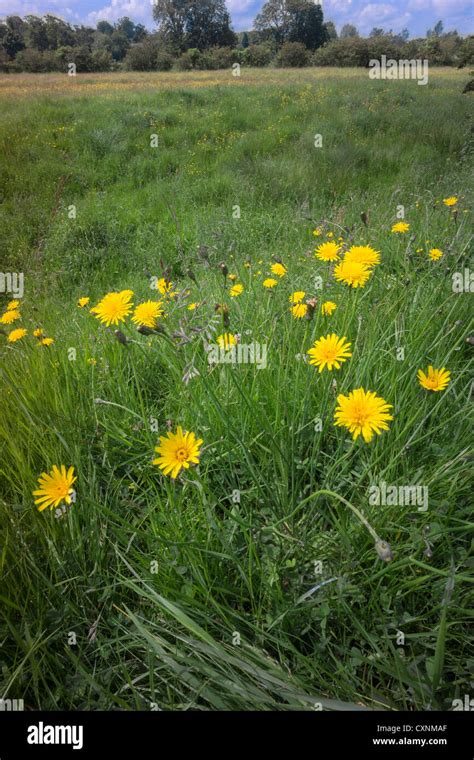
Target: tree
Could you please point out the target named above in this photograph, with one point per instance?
(208, 25)
(349, 30)
(331, 31)
(292, 21)
(171, 18)
(245, 40)
(105, 28)
(377, 31)
(35, 36)
(13, 35)
(126, 26)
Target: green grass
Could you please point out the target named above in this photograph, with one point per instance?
(154, 577)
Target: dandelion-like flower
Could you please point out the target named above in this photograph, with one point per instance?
(269, 282)
(10, 316)
(297, 296)
(362, 413)
(451, 201)
(434, 379)
(177, 451)
(55, 487)
(328, 251)
(46, 342)
(12, 305)
(236, 290)
(328, 307)
(81, 302)
(16, 335)
(352, 273)
(146, 314)
(400, 227)
(435, 254)
(114, 307)
(165, 287)
(299, 310)
(363, 254)
(329, 352)
(193, 306)
(38, 332)
(278, 269)
(226, 341)
(317, 232)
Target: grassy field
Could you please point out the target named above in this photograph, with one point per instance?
(259, 579)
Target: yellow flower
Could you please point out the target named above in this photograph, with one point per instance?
(328, 251)
(247, 264)
(328, 307)
(113, 308)
(193, 306)
(38, 332)
(83, 301)
(12, 305)
(317, 232)
(299, 310)
(178, 450)
(362, 412)
(55, 487)
(269, 283)
(330, 234)
(329, 352)
(16, 335)
(451, 201)
(435, 379)
(10, 316)
(236, 290)
(232, 277)
(226, 341)
(165, 287)
(352, 273)
(400, 227)
(435, 254)
(363, 254)
(278, 269)
(297, 296)
(92, 361)
(146, 314)
(46, 342)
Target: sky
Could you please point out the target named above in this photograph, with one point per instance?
(416, 15)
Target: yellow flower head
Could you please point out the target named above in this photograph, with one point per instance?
(236, 290)
(83, 301)
(232, 277)
(400, 227)
(363, 254)
(435, 254)
(10, 316)
(177, 451)
(269, 283)
(146, 314)
(328, 251)
(317, 232)
(328, 307)
(16, 335)
(435, 379)
(12, 305)
(113, 308)
(46, 342)
(38, 332)
(165, 287)
(451, 201)
(352, 273)
(362, 412)
(193, 306)
(278, 269)
(226, 341)
(329, 352)
(55, 487)
(299, 310)
(297, 296)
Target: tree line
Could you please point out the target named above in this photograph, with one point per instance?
(197, 34)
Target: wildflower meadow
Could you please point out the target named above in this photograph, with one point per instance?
(236, 373)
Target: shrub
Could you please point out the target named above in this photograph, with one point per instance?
(101, 60)
(293, 54)
(164, 60)
(350, 51)
(222, 57)
(257, 55)
(37, 61)
(142, 56)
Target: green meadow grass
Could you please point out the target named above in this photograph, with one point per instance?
(151, 593)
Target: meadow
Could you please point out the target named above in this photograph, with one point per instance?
(264, 577)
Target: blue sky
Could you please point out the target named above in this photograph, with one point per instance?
(416, 15)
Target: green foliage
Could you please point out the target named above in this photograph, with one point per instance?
(293, 54)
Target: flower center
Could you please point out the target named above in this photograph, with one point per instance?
(182, 454)
(360, 416)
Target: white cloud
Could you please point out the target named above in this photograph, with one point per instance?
(137, 10)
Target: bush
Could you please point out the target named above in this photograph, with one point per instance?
(221, 57)
(350, 51)
(142, 56)
(80, 55)
(192, 59)
(164, 60)
(257, 55)
(293, 54)
(101, 60)
(36, 61)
